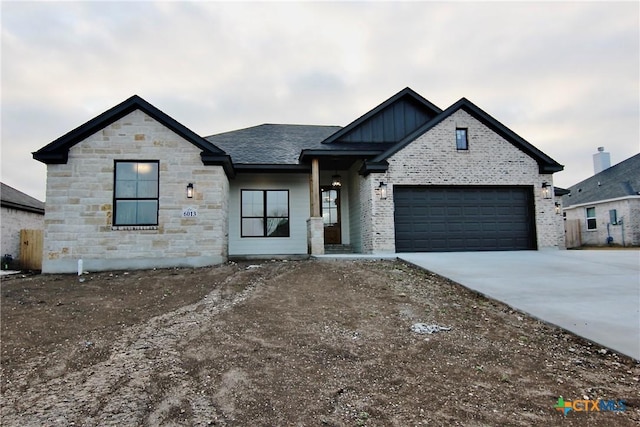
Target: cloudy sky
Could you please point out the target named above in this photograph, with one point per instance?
(565, 76)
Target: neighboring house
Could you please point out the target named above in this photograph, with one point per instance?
(607, 205)
(133, 188)
(19, 212)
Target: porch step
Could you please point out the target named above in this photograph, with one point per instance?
(338, 249)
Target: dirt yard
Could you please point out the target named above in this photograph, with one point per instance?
(304, 343)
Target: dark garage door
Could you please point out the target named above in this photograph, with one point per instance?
(445, 219)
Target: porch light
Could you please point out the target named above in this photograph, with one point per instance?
(557, 208)
(382, 190)
(336, 181)
(546, 190)
(189, 190)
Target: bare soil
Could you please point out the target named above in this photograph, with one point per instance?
(324, 343)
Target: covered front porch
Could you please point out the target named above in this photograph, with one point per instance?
(340, 204)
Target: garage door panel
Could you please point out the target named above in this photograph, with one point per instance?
(458, 218)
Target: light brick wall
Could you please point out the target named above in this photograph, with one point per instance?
(432, 159)
(78, 218)
(628, 233)
(14, 220)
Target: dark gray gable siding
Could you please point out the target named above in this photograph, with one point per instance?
(389, 122)
(619, 180)
(390, 125)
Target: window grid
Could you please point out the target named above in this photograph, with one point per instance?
(135, 194)
(264, 213)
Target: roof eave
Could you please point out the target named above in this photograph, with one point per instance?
(373, 167)
(57, 152)
(271, 168)
(215, 159)
(313, 153)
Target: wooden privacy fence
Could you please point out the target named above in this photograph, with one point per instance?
(572, 233)
(31, 249)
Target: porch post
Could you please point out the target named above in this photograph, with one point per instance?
(315, 225)
(315, 188)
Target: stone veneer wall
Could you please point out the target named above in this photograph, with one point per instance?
(78, 218)
(14, 220)
(432, 159)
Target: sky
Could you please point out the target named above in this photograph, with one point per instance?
(564, 76)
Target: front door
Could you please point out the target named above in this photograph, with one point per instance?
(331, 215)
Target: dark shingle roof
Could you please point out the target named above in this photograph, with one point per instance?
(12, 198)
(619, 180)
(271, 143)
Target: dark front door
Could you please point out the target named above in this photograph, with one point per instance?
(331, 215)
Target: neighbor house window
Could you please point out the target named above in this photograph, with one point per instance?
(136, 193)
(462, 143)
(591, 219)
(264, 213)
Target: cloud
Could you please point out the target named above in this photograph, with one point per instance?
(562, 75)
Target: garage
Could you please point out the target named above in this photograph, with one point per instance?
(463, 218)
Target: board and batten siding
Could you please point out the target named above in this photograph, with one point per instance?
(296, 243)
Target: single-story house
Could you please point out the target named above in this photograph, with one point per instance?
(133, 188)
(607, 204)
(19, 212)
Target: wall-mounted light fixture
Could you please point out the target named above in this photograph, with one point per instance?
(189, 190)
(546, 190)
(336, 180)
(557, 208)
(381, 190)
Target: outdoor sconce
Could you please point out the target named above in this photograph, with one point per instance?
(382, 190)
(546, 190)
(189, 190)
(557, 208)
(335, 181)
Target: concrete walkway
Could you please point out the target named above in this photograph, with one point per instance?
(592, 293)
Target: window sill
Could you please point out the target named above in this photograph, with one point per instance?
(133, 227)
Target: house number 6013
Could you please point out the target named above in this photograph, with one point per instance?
(189, 213)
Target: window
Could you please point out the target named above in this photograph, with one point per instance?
(264, 213)
(591, 219)
(136, 193)
(462, 143)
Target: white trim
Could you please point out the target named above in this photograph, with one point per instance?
(597, 202)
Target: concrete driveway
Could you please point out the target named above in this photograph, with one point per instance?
(592, 293)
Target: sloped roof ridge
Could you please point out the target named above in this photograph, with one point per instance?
(407, 91)
(13, 198)
(619, 180)
(271, 124)
(57, 151)
(546, 163)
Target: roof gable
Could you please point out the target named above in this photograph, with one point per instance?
(57, 152)
(389, 122)
(546, 164)
(620, 180)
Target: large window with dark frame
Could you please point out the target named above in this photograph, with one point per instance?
(135, 196)
(264, 213)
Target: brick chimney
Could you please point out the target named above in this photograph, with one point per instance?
(601, 161)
